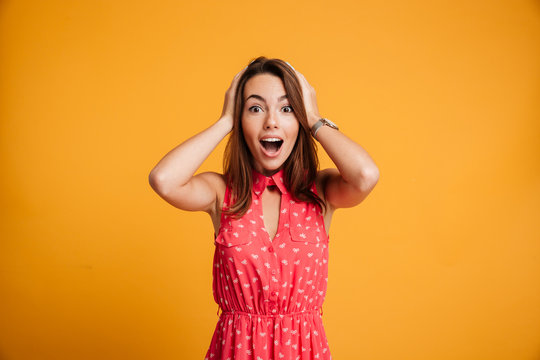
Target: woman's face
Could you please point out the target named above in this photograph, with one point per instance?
(269, 123)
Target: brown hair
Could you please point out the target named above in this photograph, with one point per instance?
(300, 168)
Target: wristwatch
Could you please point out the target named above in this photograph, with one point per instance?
(321, 122)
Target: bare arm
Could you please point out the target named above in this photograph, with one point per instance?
(356, 174)
(173, 176)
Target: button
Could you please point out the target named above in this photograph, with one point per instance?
(271, 249)
(273, 271)
(274, 293)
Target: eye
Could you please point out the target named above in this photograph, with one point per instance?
(255, 107)
(288, 107)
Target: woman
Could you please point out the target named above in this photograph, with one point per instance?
(271, 210)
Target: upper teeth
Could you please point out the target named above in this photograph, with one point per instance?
(271, 139)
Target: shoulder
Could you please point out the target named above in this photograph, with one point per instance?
(217, 182)
(323, 177)
(338, 193)
(321, 181)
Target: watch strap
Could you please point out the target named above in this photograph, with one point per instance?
(320, 123)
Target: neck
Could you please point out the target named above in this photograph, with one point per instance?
(266, 172)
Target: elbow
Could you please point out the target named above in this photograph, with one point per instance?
(162, 184)
(373, 175)
(367, 180)
(155, 181)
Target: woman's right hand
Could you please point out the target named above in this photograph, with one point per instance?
(228, 105)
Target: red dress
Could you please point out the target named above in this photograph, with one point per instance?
(271, 291)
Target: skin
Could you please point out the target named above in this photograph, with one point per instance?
(174, 180)
(268, 116)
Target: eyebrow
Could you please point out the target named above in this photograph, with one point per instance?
(283, 97)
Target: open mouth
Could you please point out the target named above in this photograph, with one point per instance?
(271, 145)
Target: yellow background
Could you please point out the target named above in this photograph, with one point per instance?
(441, 261)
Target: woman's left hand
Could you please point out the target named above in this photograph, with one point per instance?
(310, 100)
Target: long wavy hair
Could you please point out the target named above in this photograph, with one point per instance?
(300, 168)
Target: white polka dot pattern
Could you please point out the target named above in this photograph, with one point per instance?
(271, 291)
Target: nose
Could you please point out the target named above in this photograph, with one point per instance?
(271, 121)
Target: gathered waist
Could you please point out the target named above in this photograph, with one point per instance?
(291, 314)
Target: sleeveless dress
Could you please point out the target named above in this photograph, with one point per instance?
(270, 291)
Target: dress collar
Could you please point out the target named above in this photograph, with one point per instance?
(260, 182)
